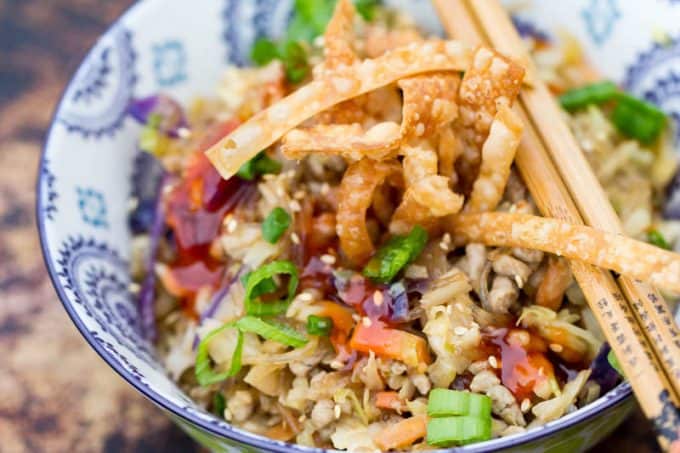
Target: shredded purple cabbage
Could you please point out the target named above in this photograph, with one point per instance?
(170, 111)
(147, 175)
(672, 206)
(147, 294)
(399, 307)
(602, 372)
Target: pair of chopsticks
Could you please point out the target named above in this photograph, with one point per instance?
(633, 316)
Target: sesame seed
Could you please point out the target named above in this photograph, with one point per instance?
(366, 321)
(378, 298)
(231, 225)
(295, 238)
(556, 347)
(337, 411)
(460, 330)
(356, 317)
(295, 206)
(336, 364)
(519, 281)
(327, 259)
(444, 246)
(492, 361)
(306, 297)
(227, 415)
(540, 371)
(279, 191)
(325, 188)
(526, 405)
(183, 132)
(302, 418)
(134, 287)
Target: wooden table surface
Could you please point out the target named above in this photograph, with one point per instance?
(56, 394)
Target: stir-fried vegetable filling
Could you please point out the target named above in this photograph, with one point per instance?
(316, 296)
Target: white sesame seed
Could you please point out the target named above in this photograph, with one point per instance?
(336, 364)
(183, 132)
(306, 297)
(231, 225)
(492, 361)
(519, 281)
(227, 415)
(325, 188)
(556, 347)
(366, 321)
(444, 246)
(279, 191)
(446, 238)
(302, 418)
(295, 206)
(460, 330)
(378, 298)
(540, 371)
(299, 195)
(526, 405)
(134, 287)
(327, 259)
(337, 411)
(356, 317)
(295, 238)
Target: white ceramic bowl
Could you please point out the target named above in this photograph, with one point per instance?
(181, 48)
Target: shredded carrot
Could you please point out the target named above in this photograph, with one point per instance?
(280, 432)
(342, 325)
(391, 343)
(402, 434)
(389, 400)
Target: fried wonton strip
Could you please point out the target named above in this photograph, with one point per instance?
(339, 35)
(491, 80)
(449, 149)
(498, 153)
(429, 103)
(347, 140)
(611, 251)
(331, 88)
(355, 196)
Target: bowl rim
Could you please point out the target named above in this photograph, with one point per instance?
(615, 397)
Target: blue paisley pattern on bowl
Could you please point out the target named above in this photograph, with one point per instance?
(97, 99)
(182, 48)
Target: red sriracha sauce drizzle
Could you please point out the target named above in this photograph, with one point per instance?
(523, 364)
(195, 209)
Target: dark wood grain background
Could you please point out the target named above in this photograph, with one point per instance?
(56, 394)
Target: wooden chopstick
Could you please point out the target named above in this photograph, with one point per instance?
(646, 303)
(552, 198)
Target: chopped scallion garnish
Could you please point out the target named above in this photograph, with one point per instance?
(395, 255)
(275, 332)
(450, 431)
(638, 119)
(444, 402)
(614, 362)
(319, 325)
(596, 93)
(219, 404)
(656, 238)
(276, 223)
(205, 374)
(258, 165)
(259, 283)
(264, 51)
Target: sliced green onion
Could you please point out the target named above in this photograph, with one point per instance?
(275, 332)
(266, 286)
(319, 325)
(219, 404)
(366, 8)
(638, 119)
(316, 13)
(294, 59)
(397, 253)
(276, 223)
(596, 93)
(205, 374)
(258, 165)
(254, 288)
(444, 402)
(654, 237)
(264, 51)
(614, 362)
(450, 431)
